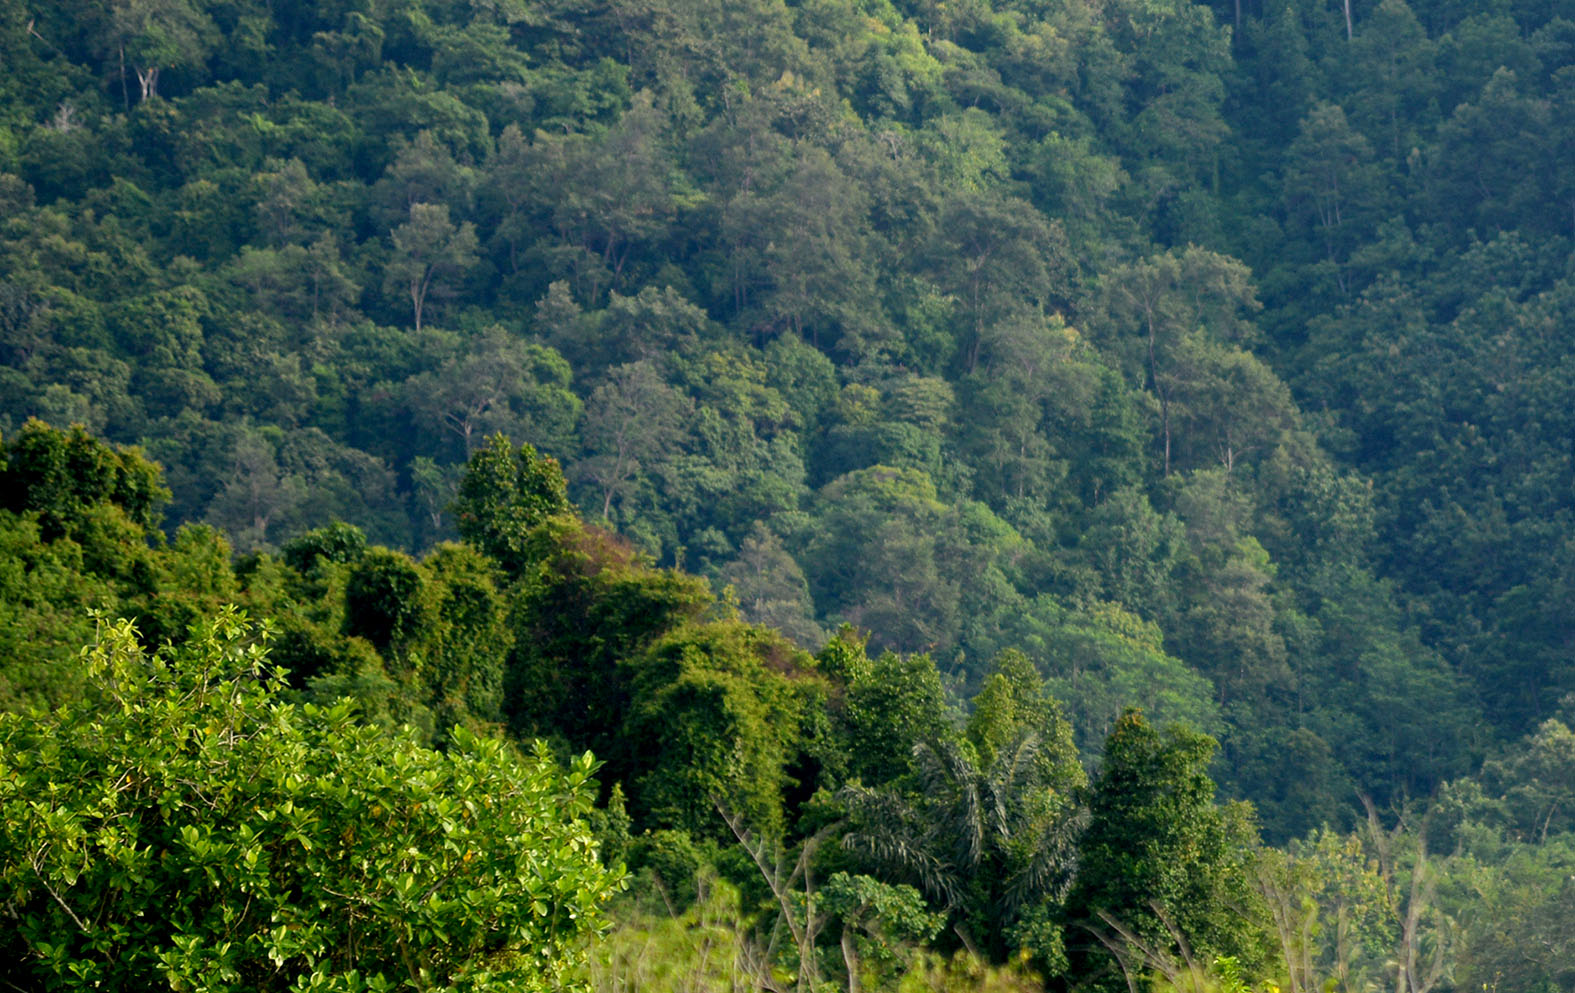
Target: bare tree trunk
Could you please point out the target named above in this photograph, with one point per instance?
(1412, 974)
(782, 883)
(125, 94)
(148, 82)
(418, 294)
(850, 956)
(1159, 388)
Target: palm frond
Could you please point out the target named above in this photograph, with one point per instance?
(890, 832)
(1049, 871)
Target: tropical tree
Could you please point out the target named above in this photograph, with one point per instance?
(430, 254)
(504, 496)
(1186, 305)
(154, 35)
(986, 824)
(633, 420)
(195, 831)
(1161, 868)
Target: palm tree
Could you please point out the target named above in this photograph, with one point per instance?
(988, 844)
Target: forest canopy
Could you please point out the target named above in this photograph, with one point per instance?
(846, 408)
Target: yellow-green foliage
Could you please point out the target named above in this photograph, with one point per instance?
(705, 949)
(965, 973)
(1223, 976)
(713, 947)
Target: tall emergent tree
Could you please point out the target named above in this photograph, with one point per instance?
(504, 496)
(1162, 869)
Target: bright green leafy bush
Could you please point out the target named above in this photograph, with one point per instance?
(196, 832)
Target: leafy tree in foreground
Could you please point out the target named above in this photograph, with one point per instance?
(195, 832)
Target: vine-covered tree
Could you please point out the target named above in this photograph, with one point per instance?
(1162, 870)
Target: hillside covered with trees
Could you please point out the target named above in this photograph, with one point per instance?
(908, 389)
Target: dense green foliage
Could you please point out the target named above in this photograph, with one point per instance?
(978, 327)
(198, 832)
(852, 809)
(1203, 357)
(1159, 860)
